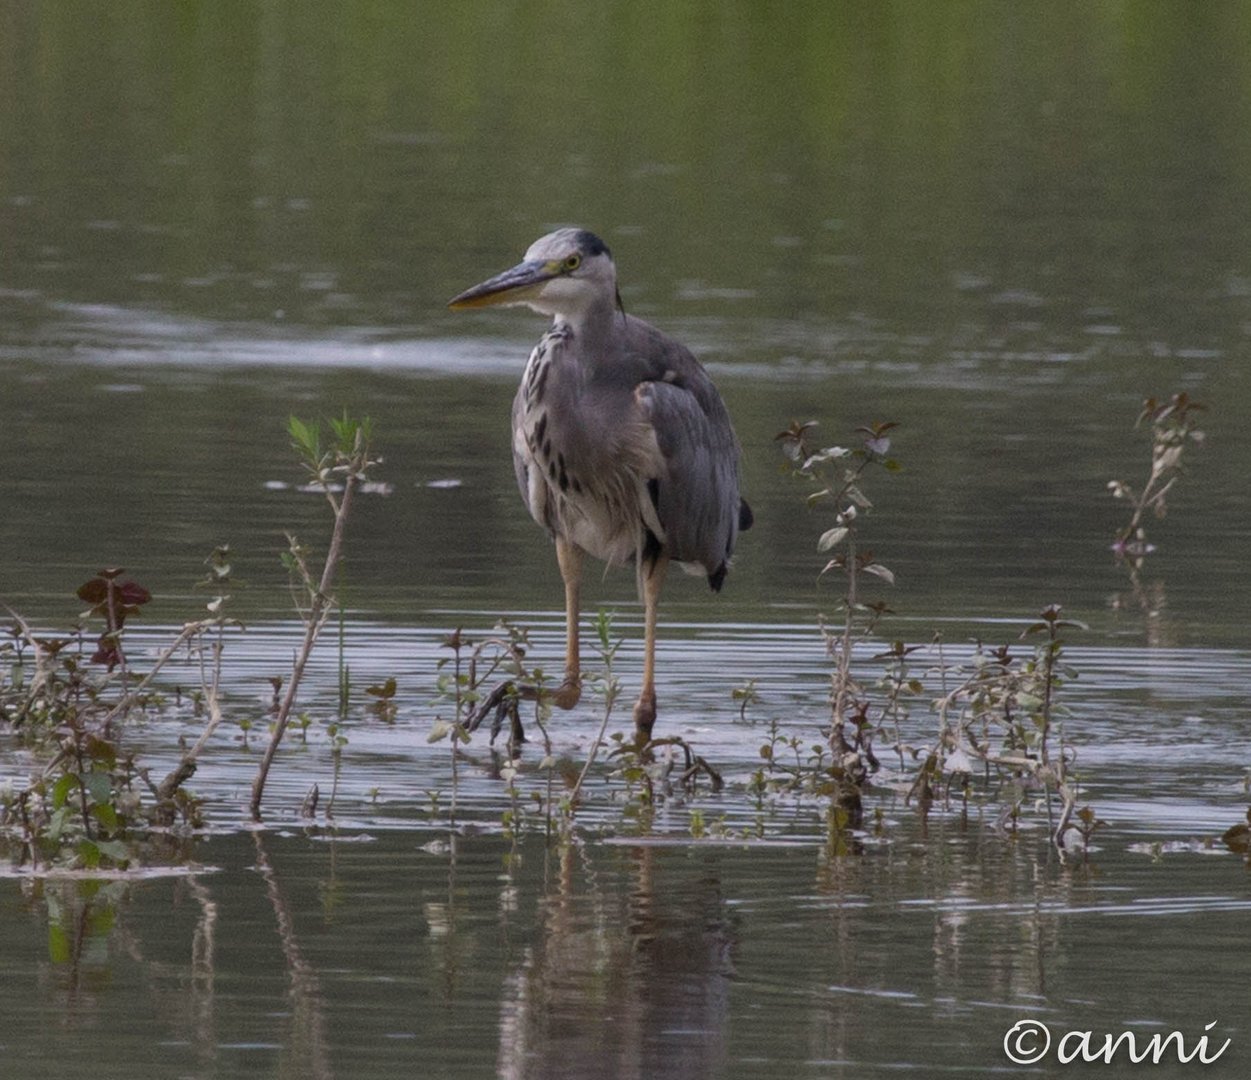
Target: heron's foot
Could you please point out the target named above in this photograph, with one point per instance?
(504, 702)
(644, 719)
(567, 695)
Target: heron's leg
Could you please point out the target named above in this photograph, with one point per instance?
(501, 702)
(651, 577)
(569, 556)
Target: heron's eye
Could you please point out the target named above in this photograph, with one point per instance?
(572, 263)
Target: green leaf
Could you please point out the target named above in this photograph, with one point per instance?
(831, 537)
(115, 850)
(344, 430)
(307, 438)
(99, 786)
(386, 690)
(88, 854)
(105, 814)
(603, 631)
(57, 823)
(61, 790)
(101, 751)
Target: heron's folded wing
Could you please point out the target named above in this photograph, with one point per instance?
(696, 489)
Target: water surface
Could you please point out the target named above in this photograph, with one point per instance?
(1001, 226)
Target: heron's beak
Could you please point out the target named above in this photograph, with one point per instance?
(514, 286)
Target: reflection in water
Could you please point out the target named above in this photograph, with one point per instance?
(88, 942)
(200, 998)
(633, 985)
(1149, 599)
(945, 926)
(306, 1049)
(82, 918)
(589, 959)
(450, 948)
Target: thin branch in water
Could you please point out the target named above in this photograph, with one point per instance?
(321, 600)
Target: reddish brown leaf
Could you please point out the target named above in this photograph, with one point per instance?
(95, 591)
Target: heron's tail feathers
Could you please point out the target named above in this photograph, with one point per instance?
(717, 578)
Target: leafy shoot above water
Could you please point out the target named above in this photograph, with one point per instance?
(835, 478)
(1173, 429)
(347, 461)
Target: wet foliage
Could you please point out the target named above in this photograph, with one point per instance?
(999, 732)
(87, 798)
(89, 802)
(940, 727)
(1174, 429)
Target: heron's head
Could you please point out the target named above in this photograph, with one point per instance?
(566, 273)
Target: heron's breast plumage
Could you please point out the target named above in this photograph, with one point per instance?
(582, 454)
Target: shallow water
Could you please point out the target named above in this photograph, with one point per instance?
(1001, 226)
(384, 938)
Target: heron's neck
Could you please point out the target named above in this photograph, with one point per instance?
(592, 324)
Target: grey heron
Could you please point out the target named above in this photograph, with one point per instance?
(622, 446)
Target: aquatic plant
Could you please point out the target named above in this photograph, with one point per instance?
(462, 676)
(383, 705)
(745, 695)
(1001, 714)
(608, 687)
(337, 469)
(834, 476)
(112, 600)
(1173, 429)
(84, 801)
(89, 802)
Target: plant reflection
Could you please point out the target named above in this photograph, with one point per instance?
(623, 985)
(1150, 600)
(307, 1045)
(82, 916)
(201, 996)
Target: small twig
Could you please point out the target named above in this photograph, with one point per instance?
(186, 766)
(599, 741)
(115, 630)
(127, 699)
